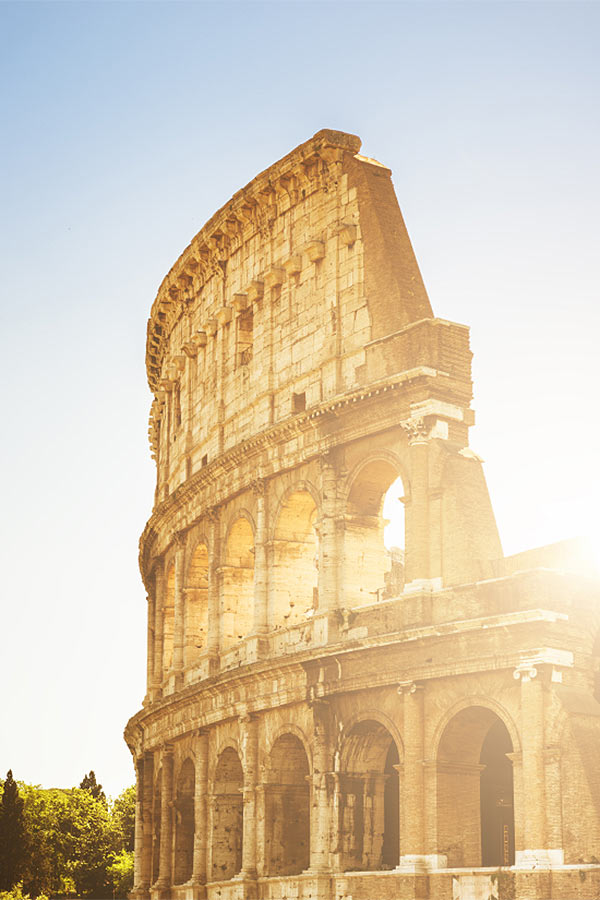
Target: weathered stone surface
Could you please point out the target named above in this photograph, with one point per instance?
(325, 719)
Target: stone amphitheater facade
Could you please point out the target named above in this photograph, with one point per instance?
(324, 719)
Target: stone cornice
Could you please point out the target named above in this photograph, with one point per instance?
(216, 472)
(252, 209)
(219, 688)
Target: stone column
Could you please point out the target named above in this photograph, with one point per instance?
(412, 799)
(328, 555)
(214, 611)
(249, 746)
(201, 814)
(166, 821)
(139, 826)
(260, 561)
(146, 849)
(150, 648)
(320, 810)
(178, 625)
(535, 853)
(553, 796)
(159, 613)
(417, 510)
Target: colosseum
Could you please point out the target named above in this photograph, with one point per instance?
(327, 717)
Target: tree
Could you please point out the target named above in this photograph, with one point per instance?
(90, 784)
(12, 834)
(123, 818)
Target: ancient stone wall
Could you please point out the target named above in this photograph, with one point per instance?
(325, 718)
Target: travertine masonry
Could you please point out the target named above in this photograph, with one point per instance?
(325, 718)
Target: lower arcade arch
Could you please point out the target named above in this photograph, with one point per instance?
(373, 570)
(475, 793)
(238, 584)
(227, 816)
(368, 801)
(184, 823)
(287, 808)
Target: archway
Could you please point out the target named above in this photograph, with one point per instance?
(184, 823)
(295, 563)
(287, 808)
(228, 814)
(368, 803)
(238, 584)
(196, 605)
(374, 571)
(168, 620)
(475, 790)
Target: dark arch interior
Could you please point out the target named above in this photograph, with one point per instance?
(228, 817)
(369, 799)
(496, 799)
(288, 808)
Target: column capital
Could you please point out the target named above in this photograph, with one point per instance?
(178, 538)
(258, 487)
(410, 687)
(212, 514)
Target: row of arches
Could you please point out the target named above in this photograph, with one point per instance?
(293, 558)
(366, 803)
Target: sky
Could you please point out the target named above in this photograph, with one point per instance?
(125, 126)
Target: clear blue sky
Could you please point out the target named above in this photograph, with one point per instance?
(125, 126)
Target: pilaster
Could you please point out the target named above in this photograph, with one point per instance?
(166, 821)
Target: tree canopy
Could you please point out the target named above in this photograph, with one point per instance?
(76, 843)
(12, 833)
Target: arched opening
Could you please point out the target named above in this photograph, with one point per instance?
(369, 800)
(168, 620)
(184, 823)
(196, 605)
(287, 808)
(238, 584)
(374, 535)
(295, 562)
(156, 811)
(228, 813)
(475, 790)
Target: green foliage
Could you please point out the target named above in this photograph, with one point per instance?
(16, 893)
(123, 814)
(77, 845)
(12, 834)
(90, 784)
(121, 873)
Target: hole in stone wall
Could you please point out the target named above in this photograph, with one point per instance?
(298, 402)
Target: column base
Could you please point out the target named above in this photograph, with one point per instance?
(139, 892)
(418, 863)
(539, 859)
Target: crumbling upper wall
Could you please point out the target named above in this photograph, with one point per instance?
(272, 307)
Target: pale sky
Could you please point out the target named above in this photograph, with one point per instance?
(125, 126)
